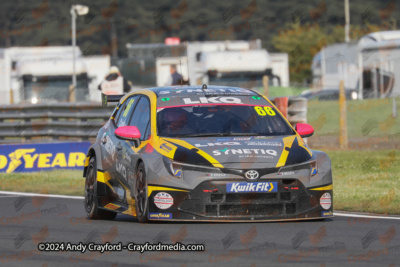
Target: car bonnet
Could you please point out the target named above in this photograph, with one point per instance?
(273, 151)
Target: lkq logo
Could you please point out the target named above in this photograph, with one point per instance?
(252, 175)
(213, 100)
(218, 144)
(121, 169)
(252, 187)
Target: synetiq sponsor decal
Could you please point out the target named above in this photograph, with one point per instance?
(43, 157)
(252, 187)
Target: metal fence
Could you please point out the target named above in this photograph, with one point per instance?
(53, 121)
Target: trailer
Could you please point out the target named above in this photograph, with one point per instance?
(367, 65)
(230, 63)
(44, 74)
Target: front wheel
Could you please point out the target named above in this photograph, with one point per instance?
(141, 198)
(91, 204)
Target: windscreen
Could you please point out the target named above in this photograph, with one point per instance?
(220, 120)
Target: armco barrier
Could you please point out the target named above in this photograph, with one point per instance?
(54, 121)
(43, 157)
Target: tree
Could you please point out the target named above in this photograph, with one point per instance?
(302, 42)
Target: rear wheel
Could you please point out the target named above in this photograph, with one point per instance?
(141, 198)
(91, 204)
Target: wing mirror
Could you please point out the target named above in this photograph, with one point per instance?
(304, 130)
(130, 133)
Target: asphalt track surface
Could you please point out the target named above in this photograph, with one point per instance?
(347, 241)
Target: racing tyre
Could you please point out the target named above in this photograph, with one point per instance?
(91, 204)
(141, 198)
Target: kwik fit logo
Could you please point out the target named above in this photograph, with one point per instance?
(252, 187)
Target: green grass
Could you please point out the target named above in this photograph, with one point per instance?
(278, 91)
(364, 181)
(324, 117)
(58, 182)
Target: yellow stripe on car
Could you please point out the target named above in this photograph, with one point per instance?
(157, 142)
(300, 140)
(162, 188)
(131, 201)
(153, 102)
(303, 145)
(136, 149)
(104, 177)
(328, 187)
(288, 142)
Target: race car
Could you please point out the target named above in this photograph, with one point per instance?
(204, 153)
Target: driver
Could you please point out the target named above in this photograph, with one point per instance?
(177, 121)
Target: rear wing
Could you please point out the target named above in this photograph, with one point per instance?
(109, 98)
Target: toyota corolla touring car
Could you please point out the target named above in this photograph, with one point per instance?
(198, 153)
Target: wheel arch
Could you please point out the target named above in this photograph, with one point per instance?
(140, 160)
(94, 150)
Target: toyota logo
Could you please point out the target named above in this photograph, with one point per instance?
(252, 175)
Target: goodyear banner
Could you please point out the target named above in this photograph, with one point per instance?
(42, 157)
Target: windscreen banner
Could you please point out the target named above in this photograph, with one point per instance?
(43, 157)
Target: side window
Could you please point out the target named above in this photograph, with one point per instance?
(118, 113)
(126, 111)
(141, 117)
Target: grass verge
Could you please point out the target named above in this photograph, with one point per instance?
(364, 181)
(65, 182)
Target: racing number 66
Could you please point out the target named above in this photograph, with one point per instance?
(262, 111)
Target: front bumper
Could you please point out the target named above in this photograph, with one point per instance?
(211, 201)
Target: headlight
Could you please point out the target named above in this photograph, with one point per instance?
(176, 170)
(173, 167)
(313, 168)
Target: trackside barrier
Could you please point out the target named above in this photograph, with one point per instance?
(293, 108)
(43, 157)
(53, 121)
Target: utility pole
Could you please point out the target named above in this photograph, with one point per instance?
(347, 18)
(79, 10)
(73, 26)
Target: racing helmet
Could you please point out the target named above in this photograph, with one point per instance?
(175, 118)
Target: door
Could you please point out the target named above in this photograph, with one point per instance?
(112, 149)
(131, 154)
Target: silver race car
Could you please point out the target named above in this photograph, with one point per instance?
(206, 154)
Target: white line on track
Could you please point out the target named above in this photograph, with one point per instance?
(38, 195)
(11, 194)
(365, 216)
